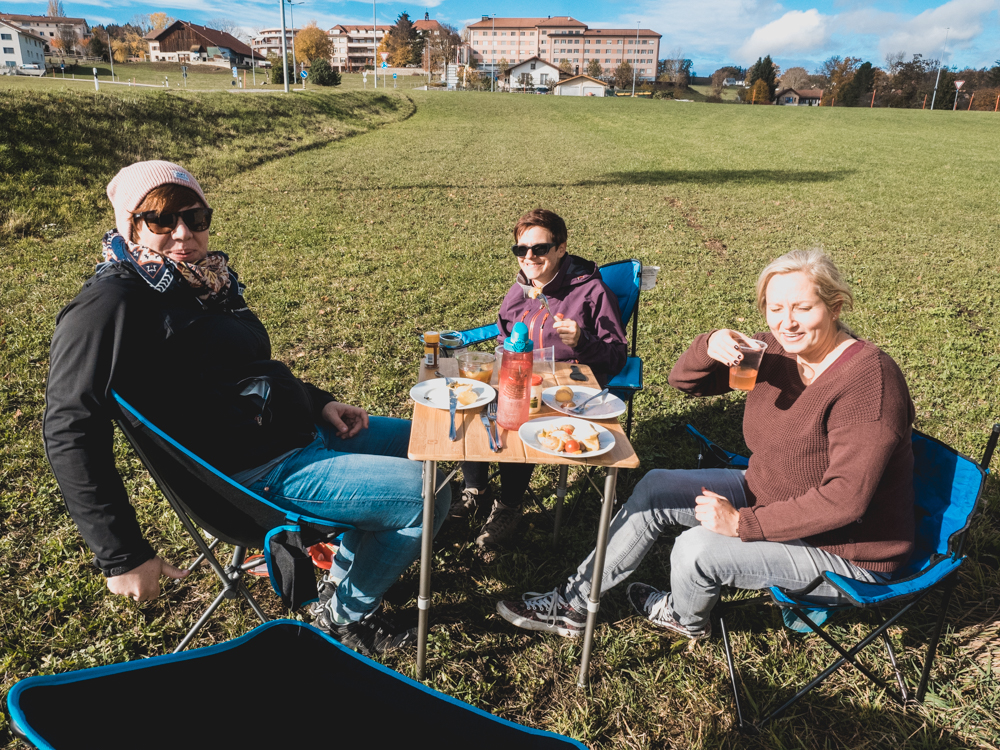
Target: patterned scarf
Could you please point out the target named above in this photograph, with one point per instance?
(209, 278)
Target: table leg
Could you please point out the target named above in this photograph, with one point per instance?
(560, 496)
(594, 602)
(426, 549)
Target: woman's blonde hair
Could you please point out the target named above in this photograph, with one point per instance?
(818, 268)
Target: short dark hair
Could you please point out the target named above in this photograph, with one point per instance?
(165, 199)
(544, 219)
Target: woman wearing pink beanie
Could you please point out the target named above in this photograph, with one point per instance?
(163, 322)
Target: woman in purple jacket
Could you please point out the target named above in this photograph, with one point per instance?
(585, 328)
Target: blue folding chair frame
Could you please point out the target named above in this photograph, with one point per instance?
(203, 496)
(624, 278)
(945, 514)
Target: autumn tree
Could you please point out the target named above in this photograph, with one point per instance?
(675, 69)
(503, 66)
(838, 72)
(858, 90)
(524, 81)
(160, 20)
(312, 43)
(760, 92)
(594, 69)
(97, 45)
(401, 42)
(795, 78)
(442, 48)
(623, 75)
(764, 70)
(55, 9)
(226, 25)
(566, 66)
(67, 39)
(729, 71)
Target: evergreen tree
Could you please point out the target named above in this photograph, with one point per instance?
(322, 74)
(764, 70)
(594, 69)
(859, 89)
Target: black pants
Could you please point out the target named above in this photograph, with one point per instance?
(514, 480)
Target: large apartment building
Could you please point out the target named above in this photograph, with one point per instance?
(268, 41)
(354, 45)
(48, 27)
(559, 38)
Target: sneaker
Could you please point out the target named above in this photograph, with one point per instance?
(500, 526)
(548, 612)
(470, 502)
(652, 604)
(372, 634)
(325, 588)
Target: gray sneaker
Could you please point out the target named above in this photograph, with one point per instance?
(325, 588)
(469, 503)
(548, 612)
(652, 604)
(500, 526)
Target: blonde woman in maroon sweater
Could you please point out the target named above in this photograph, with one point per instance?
(829, 485)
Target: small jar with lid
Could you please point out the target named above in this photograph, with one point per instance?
(431, 348)
(535, 404)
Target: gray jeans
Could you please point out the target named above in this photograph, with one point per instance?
(703, 561)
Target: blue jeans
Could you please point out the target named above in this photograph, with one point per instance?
(368, 482)
(702, 561)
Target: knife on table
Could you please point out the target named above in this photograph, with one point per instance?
(452, 405)
(489, 434)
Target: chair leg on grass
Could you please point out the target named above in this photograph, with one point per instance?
(560, 496)
(925, 673)
(741, 725)
(201, 557)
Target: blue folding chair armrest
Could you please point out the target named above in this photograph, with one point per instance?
(864, 594)
(479, 335)
(730, 459)
(629, 379)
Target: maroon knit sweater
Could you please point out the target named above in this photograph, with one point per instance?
(832, 462)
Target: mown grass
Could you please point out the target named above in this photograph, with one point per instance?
(351, 249)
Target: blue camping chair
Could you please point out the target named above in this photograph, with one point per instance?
(624, 278)
(283, 684)
(948, 487)
(204, 497)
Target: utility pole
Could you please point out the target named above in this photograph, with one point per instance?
(943, 53)
(493, 65)
(295, 64)
(375, 45)
(635, 69)
(284, 47)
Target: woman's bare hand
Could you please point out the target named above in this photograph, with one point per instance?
(716, 513)
(722, 346)
(143, 583)
(347, 420)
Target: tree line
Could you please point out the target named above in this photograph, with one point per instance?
(853, 82)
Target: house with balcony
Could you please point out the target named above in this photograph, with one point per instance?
(191, 44)
(268, 41)
(354, 46)
(19, 48)
(48, 27)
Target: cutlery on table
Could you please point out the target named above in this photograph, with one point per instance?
(486, 425)
(578, 409)
(491, 412)
(575, 374)
(452, 405)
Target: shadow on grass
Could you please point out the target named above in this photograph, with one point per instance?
(716, 177)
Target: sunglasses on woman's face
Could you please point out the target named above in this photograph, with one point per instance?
(196, 219)
(537, 250)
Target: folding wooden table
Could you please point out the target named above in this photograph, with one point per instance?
(429, 443)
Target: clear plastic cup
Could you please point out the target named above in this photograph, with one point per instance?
(743, 376)
(476, 365)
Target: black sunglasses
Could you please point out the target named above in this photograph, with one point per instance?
(538, 250)
(197, 220)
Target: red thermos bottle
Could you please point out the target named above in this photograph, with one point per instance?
(514, 384)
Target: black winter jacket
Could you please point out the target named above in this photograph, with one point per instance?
(181, 364)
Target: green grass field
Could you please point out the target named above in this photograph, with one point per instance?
(350, 246)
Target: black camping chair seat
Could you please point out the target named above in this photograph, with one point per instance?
(285, 684)
(203, 496)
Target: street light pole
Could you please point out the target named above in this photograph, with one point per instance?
(635, 69)
(493, 64)
(295, 64)
(936, 80)
(284, 47)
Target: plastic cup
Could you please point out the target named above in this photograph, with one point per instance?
(743, 376)
(545, 360)
(476, 365)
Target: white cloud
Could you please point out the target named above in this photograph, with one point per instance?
(795, 32)
(960, 21)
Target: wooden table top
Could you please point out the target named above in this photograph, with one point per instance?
(429, 432)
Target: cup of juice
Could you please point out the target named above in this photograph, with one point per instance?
(743, 376)
(476, 365)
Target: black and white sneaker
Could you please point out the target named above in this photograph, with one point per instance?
(373, 634)
(548, 612)
(326, 588)
(652, 604)
(470, 502)
(500, 526)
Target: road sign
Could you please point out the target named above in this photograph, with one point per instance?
(394, 76)
(304, 74)
(385, 55)
(385, 65)
(364, 74)
(234, 71)
(62, 66)
(958, 84)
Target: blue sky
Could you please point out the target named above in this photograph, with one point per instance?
(710, 32)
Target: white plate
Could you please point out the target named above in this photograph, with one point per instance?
(529, 435)
(602, 408)
(436, 392)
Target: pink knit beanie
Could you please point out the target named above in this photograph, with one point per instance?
(131, 186)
